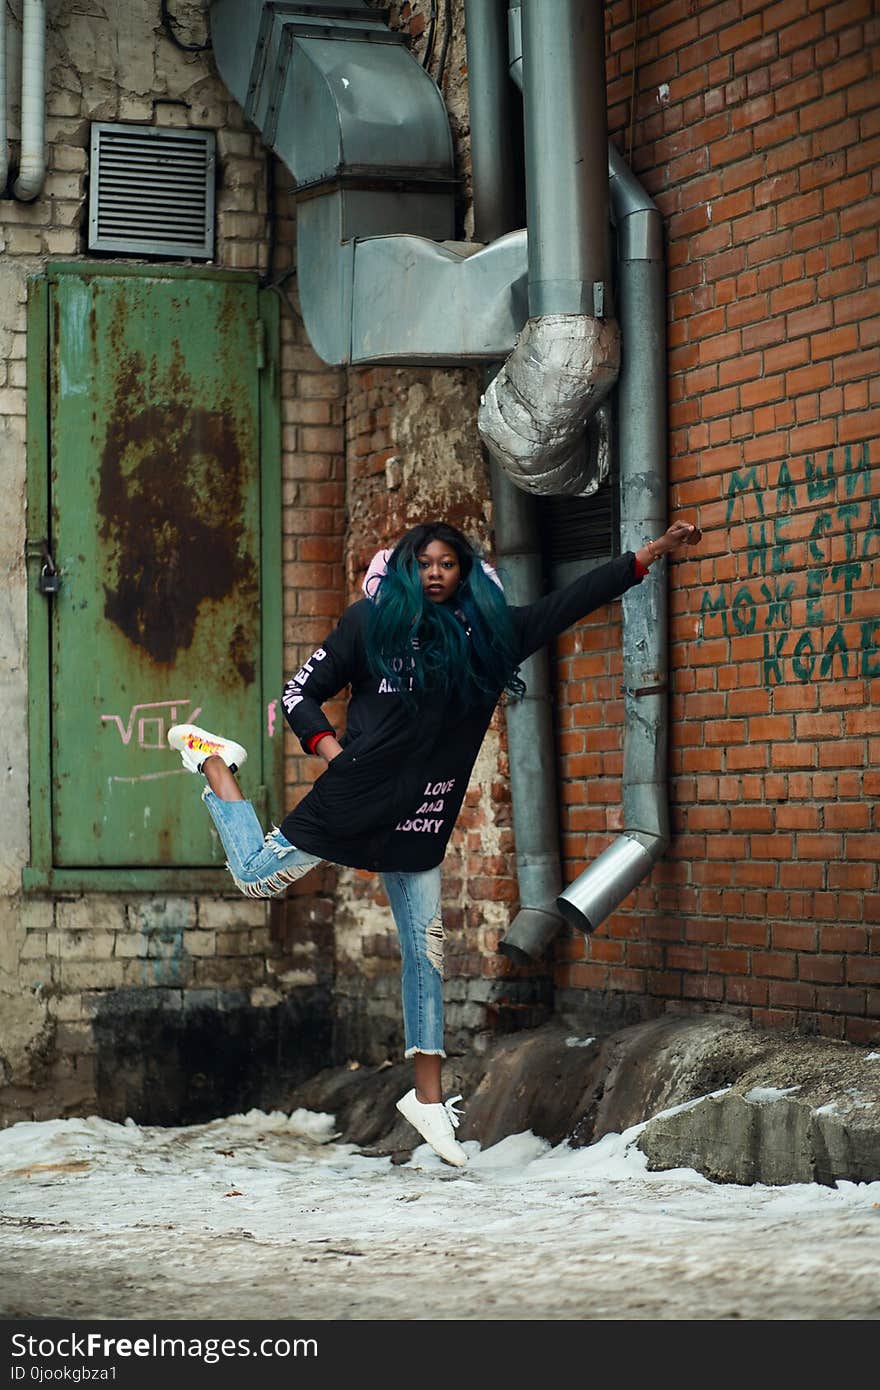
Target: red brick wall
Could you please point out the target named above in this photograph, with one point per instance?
(313, 535)
(757, 130)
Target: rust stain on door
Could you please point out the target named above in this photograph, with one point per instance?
(171, 497)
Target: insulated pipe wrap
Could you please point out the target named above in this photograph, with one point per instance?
(532, 416)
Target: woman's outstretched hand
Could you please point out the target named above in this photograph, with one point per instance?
(679, 533)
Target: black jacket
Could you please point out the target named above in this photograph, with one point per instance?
(390, 799)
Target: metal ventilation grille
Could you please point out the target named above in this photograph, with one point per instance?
(152, 191)
(580, 528)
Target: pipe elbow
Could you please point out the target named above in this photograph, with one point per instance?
(601, 888)
(31, 177)
(532, 416)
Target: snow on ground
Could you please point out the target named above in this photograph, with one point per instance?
(270, 1216)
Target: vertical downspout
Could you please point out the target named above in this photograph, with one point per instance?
(4, 128)
(32, 164)
(643, 486)
(517, 545)
(566, 130)
(641, 410)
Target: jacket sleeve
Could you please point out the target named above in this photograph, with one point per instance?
(330, 667)
(539, 622)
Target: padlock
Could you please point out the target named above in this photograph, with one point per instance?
(49, 581)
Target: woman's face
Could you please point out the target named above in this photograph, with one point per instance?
(439, 571)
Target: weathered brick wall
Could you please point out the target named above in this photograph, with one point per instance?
(755, 127)
(82, 976)
(756, 130)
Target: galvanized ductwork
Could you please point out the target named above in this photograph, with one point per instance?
(363, 129)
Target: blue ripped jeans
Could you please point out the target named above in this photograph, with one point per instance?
(264, 865)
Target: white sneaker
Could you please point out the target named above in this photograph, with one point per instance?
(436, 1124)
(195, 745)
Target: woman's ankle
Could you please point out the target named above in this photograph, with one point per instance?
(220, 779)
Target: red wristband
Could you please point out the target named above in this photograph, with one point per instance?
(641, 570)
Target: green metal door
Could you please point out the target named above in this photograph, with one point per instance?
(155, 503)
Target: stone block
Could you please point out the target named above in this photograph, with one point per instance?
(36, 214)
(73, 1039)
(103, 974)
(158, 914)
(156, 973)
(23, 241)
(87, 945)
(70, 157)
(130, 944)
(34, 946)
(62, 103)
(12, 400)
(66, 214)
(132, 108)
(68, 1008)
(61, 241)
(234, 914)
(239, 971)
(232, 143)
(200, 943)
(67, 184)
(93, 912)
(13, 938)
(200, 999)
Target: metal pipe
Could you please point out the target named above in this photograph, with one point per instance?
(530, 738)
(32, 165)
(490, 111)
(532, 416)
(529, 721)
(597, 892)
(514, 41)
(4, 128)
(566, 142)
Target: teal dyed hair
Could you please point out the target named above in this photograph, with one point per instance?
(465, 648)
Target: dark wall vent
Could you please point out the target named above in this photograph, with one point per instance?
(580, 528)
(152, 191)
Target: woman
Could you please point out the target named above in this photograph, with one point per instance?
(427, 654)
